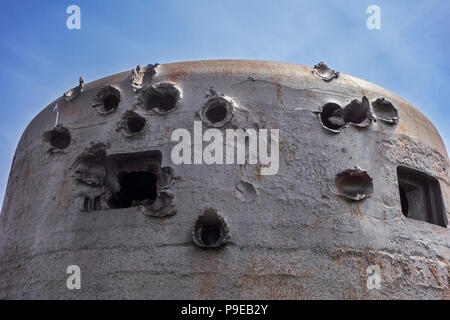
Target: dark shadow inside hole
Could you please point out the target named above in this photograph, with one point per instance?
(135, 124)
(384, 109)
(210, 228)
(210, 234)
(355, 112)
(216, 112)
(134, 187)
(59, 138)
(404, 201)
(354, 185)
(327, 112)
(165, 99)
(111, 101)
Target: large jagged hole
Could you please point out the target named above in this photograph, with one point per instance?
(210, 230)
(58, 138)
(217, 111)
(107, 99)
(354, 184)
(136, 179)
(133, 123)
(327, 116)
(125, 180)
(323, 72)
(210, 233)
(421, 197)
(161, 98)
(358, 113)
(135, 187)
(111, 102)
(385, 111)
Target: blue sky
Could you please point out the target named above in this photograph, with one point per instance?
(40, 58)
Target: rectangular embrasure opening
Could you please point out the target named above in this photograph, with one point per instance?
(421, 197)
(136, 175)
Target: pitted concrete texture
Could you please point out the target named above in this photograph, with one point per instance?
(297, 234)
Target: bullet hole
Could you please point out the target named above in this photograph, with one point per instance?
(161, 98)
(107, 100)
(354, 184)
(217, 111)
(111, 102)
(385, 111)
(133, 123)
(322, 71)
(327, 118)
(135, 187)
(359, 113)
(58, 138)
(421, 197)
(356, 112)
(210, 230)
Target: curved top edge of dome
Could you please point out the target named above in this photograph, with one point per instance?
(292, 75)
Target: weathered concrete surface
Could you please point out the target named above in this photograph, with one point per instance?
(293, 238)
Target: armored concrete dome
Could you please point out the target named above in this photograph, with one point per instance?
(345, 197)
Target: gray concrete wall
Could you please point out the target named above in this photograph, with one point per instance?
(294, 237)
